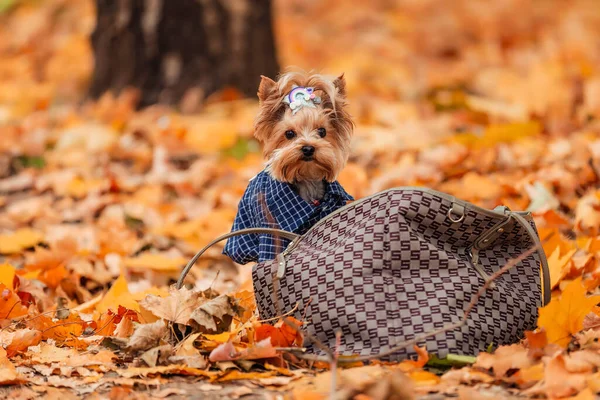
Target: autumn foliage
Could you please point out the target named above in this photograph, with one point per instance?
(102, 204)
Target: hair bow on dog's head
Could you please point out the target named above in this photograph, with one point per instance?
(301, 96)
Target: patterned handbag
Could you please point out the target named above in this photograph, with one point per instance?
(401, 263)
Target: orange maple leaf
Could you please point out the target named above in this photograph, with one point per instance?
(10, 304)
(563, 317)
(282, 334)
(422, 358)
(557, 265)
(22, 340)
(65, 332)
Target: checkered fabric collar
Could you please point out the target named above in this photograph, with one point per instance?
(290, 210)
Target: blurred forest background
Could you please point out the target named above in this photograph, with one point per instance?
(496, 102)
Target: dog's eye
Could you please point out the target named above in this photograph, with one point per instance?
(322, 132)
(290, 134)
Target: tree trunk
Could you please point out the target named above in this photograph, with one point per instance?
(167, 48)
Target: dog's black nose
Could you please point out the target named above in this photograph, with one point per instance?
(308, 151)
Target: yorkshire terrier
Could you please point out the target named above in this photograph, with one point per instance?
(305, 129)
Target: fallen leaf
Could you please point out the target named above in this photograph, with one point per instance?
(177, 307)
(164, 370)
(505, 358)
(228, 352)
(536, 342)
(147, 336)
(8, 372)
(423, 378)
(10, 304)
(283, 334)
(7, 275)
(21, 341)
(65, 332)
(557, 265)
(156, 262)
(157, 355)
(118, 295)
(19, 240)
(235, 375)
(422, 359)
(558, 381)
(219, 310)
(564, 316)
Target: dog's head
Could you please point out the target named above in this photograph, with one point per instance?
(304, 126)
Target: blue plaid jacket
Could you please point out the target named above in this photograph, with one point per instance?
(288, 211)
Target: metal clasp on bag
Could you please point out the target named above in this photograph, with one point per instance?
(281, 264)
(456, 210)
(486, 240)
(474, 253)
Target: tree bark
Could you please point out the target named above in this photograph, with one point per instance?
(165, 48)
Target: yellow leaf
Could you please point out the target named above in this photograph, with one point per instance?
(160, 292)
(558, 265)
(526, 376)
(7, 275)
(235, 375)
(421, 377)
(19, 240)
(156, 262)
(32, 274)
(80, 188)
(118, 295)
(501, 133)
(563, 317)
(219, 338)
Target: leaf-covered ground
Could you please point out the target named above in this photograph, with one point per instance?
(100, 205)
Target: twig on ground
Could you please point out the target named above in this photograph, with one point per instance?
(334, 363)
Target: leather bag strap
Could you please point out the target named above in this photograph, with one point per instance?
(547, 291)
(274, 232)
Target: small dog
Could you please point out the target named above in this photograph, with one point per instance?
(305, 130)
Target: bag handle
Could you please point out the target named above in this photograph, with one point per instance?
(274, 232)
(536, 240)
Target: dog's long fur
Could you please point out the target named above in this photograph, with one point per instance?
(285, 161)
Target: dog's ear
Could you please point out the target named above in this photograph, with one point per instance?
(266, 87)
(340, 84)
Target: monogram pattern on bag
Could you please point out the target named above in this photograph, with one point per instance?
(393, 266)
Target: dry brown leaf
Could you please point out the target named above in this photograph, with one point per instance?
(214, 315)
(157, 355)
(124, 328)
(147, 336)
(166, 370)
(177, 307)
(49, 354)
